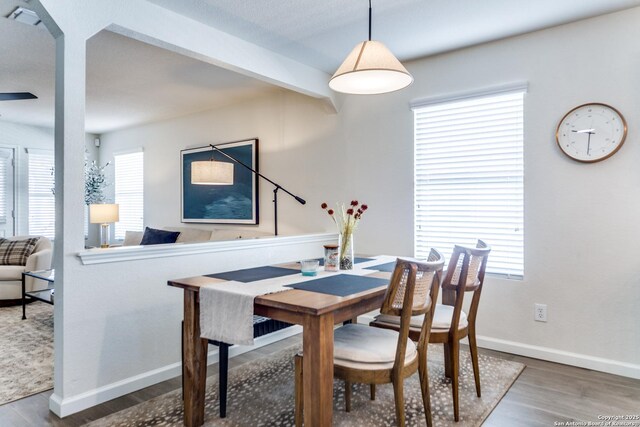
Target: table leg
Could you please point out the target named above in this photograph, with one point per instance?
(194, 359)
(24, 296)
(318, 370)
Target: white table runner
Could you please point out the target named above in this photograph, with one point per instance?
(226, 308)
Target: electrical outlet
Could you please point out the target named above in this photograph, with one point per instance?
(540, 313)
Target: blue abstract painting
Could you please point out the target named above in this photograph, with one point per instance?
(223, 204)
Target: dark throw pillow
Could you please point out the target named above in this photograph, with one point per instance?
(16, 252)
(153, 236)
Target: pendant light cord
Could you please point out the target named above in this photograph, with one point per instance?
(369, 20)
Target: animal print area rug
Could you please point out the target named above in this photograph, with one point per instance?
(261, 394)
(26, 351)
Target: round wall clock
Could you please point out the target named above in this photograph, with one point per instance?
(591, 132)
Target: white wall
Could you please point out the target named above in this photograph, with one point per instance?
(21, 137)
(581, 220)
(298, 150)
(581, 258)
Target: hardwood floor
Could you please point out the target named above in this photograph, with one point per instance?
(548, 392)
(543, 394)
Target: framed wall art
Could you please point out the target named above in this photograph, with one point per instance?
(235, 203)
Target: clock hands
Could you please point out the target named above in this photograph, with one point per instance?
(591, 132)
(588, 132)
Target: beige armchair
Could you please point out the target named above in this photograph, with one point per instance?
(11, 275)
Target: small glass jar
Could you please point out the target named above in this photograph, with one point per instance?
(331, 258)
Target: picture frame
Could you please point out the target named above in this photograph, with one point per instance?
(237, 203)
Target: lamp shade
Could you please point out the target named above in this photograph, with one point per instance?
(211, 172)
(370, 69)
(104, 213)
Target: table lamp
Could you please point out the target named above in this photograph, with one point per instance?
(104, 214)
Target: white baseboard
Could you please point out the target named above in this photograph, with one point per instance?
(560, 356)
(80, 402)
(73, 404)
(552, 355)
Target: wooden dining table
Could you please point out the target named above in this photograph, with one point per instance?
(316, 312)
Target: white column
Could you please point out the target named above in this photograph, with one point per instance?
(69, 177)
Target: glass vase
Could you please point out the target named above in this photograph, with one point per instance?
(345, 244)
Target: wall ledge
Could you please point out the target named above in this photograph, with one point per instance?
(131, 253)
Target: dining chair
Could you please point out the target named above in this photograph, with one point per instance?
(471, 263)
(367, 355)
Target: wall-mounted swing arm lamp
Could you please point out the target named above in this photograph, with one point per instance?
(214, 172)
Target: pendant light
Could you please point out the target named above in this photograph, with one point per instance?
(370, 69)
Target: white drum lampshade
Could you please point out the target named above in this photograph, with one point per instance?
(211, 172)
(103, 214)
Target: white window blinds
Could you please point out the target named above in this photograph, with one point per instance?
(5, 169)
(129, 192)
(86, 221)
(469, 177)
(42, 207)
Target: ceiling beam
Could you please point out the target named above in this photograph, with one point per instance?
(160, 27)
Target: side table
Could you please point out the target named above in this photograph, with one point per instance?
(44, 295)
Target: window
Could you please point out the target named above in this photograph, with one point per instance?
(469, 177)
(42, 206)
(129, 192)
(5, 170)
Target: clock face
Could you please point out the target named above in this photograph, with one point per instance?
(591, 132)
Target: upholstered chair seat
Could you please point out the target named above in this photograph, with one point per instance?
(443, 315)
(11, 272)
(367, 348)
(441, 319)
(11, 275)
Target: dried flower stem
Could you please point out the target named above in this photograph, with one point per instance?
(346, 222)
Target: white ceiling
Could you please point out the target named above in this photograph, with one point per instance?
(27, 57)
(322, 33)
(130, 82)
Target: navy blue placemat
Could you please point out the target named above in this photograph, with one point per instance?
(388, 267)
(356, 260)
(254, 274)
(340, 285)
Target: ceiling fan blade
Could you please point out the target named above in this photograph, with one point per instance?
(9, 96)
